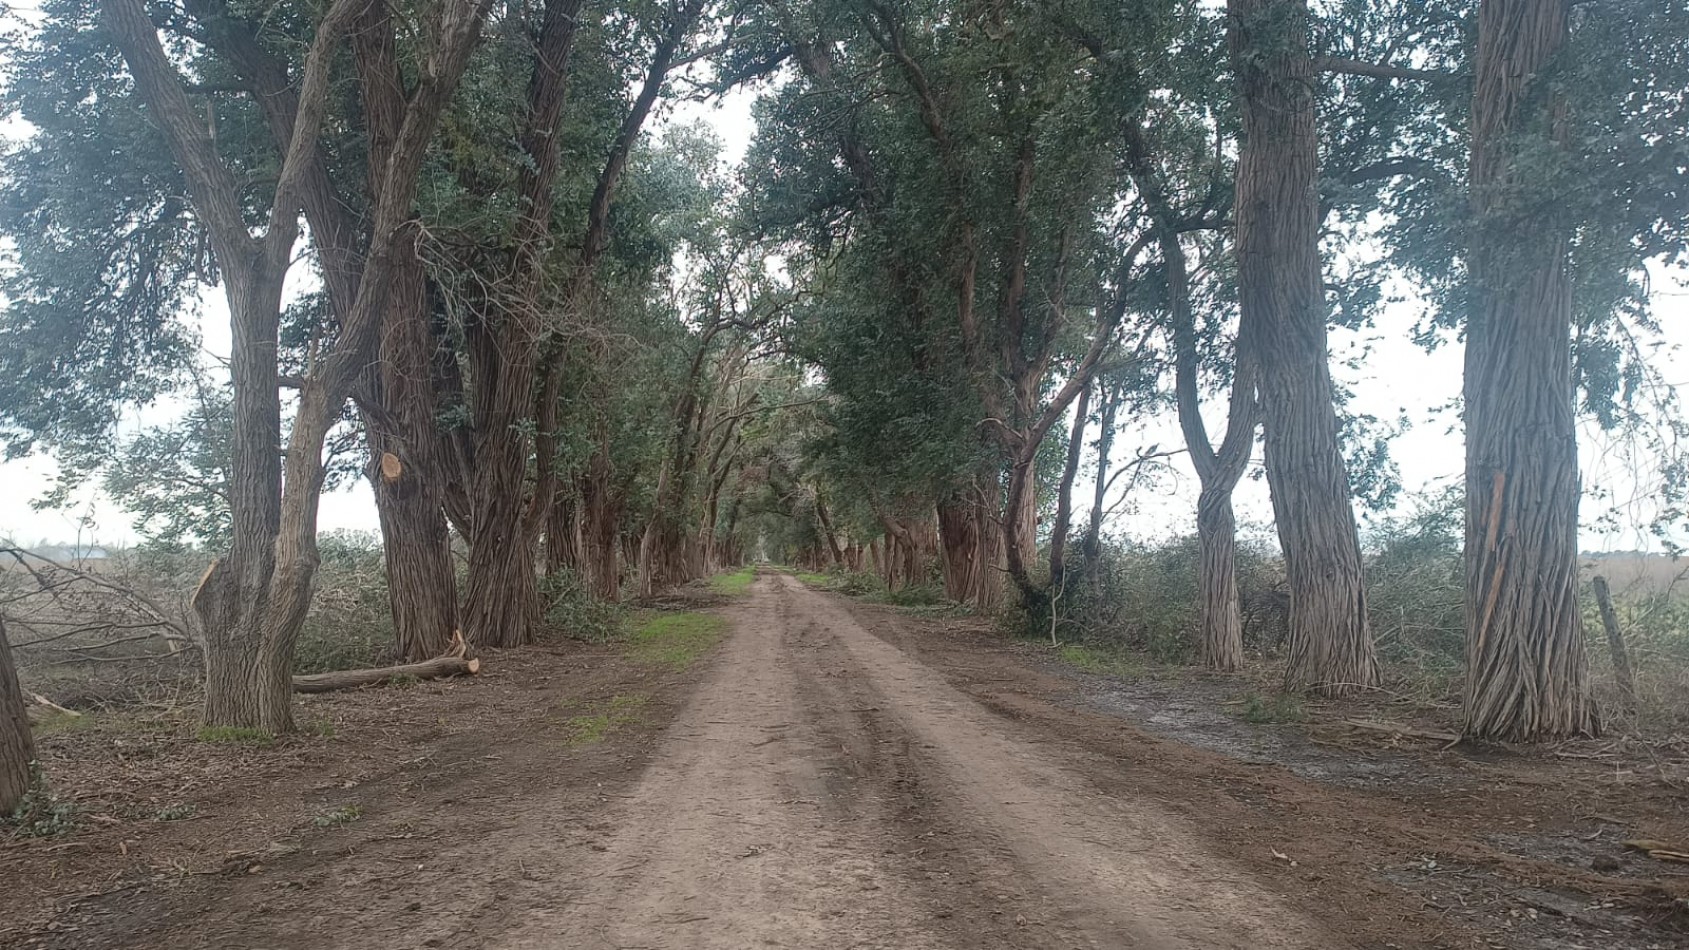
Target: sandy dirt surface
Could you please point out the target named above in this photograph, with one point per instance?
(823, 789)
(834, 775)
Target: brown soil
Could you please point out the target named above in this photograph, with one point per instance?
(836, 775)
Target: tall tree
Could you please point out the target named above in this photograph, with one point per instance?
(17, 745)
(253, 600)
(1528, 675)
(1284, 326)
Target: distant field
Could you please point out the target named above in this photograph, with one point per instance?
(1634, 573)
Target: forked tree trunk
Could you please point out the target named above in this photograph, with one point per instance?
(253, 601)
(17, 744)
(1284, 323)
(1527, 676)
(1220, 635)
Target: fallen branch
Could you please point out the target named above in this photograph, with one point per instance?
(452, 663)
(1400, 730)
(45, 709)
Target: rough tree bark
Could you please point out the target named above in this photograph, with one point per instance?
(1527, 676)
(398, 398)
(253, 600)
(1284, 325)
(501, 595)
(17, 744)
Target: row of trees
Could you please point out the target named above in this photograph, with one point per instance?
(1007, 210)
(490, 240)
(575, 346)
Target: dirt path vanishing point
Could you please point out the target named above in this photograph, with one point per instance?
(824, 790)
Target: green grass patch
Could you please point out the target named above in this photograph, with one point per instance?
(593, 728)
(675, 640)
(236, 735)
(813, 580)
(1280, 707)
(1101, 661)
(737, 582)
(336, 817)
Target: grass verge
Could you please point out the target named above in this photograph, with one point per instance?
(1101, 661)
(675, 640)
(737, 582)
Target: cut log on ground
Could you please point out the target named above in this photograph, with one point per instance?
(452, 663)
(1401, 730)
(43, 710)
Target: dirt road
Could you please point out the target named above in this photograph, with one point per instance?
(832, 775)
(823, 789)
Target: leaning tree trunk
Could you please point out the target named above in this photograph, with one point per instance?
(17, 746)
(1284, 323)
(1527, 676)
(1064, 493)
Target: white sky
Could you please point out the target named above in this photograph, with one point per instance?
(1396, 378)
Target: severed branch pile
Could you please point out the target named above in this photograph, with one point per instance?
(453, 662)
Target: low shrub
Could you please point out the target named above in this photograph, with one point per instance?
(573, 612)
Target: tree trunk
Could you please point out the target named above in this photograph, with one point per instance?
(1064, 493)
(1221, 616)
(564, 542)
(404, 473)
(1020, 529)
(1623, 676)
(501, 597)
(1284, 322)
(17, 744)
(601, 515)
(1092, 545)
(1527, 676)
(248, 643)
(1220, 638)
